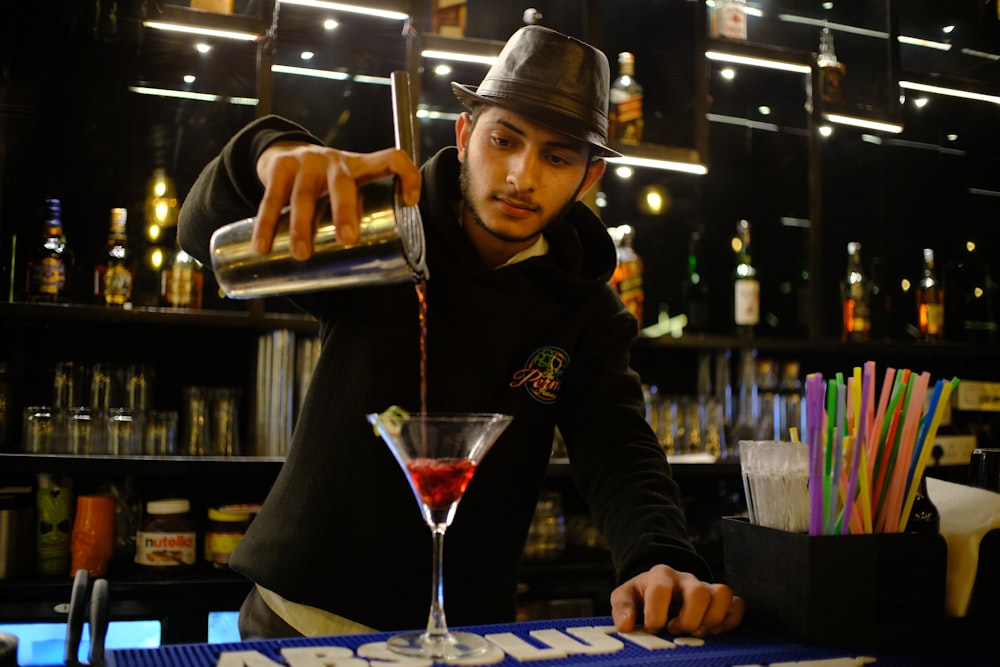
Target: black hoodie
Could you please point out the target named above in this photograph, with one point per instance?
(546, 340)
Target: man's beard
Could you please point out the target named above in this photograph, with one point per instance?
(466, 184)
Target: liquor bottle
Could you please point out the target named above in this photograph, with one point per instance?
(181, 282)
(924, 516)
(768, 417)
(855, 297)
(746, 286)
(729, 20)
(114, 273)
(930, 302)
(792, 416)
(747, 420)
(625, 109)
(831, 70)
(50, 263)
(627, 278)
(694, 291)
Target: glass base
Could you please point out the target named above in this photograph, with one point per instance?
(450, 646)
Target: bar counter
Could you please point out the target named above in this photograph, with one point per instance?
(571, 643)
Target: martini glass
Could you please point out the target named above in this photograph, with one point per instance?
(439, 454)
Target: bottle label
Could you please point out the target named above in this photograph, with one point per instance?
(731, 20)
(626, 119)
(935, 319)
(117, 284)
(165, 549)
(49, 277)
(747, 302)
(627, 278)
(219, 545)
(178, 285)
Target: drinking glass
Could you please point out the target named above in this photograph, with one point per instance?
(438, 454)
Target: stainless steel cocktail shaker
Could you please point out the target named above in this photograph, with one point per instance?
(390, 247)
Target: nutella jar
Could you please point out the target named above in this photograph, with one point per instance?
(223, 532)
(167, 540)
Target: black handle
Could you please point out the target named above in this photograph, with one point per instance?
(99, 615)
(77, 614)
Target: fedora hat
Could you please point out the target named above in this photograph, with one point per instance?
(552, 78)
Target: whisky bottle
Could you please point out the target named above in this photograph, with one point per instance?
(746, 286)
(114, 272)
(831, 70)
(695, 291)
(930, 302)
(181, 282)
(855, 297)
(50, 263)
(625, 108)
(627, 277)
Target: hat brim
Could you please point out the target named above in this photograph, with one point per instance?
(468, 96)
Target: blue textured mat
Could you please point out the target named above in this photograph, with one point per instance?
(739, 648)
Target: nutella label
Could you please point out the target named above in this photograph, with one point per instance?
(165, 549)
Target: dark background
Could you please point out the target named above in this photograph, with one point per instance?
(70, 127)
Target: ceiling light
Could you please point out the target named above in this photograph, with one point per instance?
(784, 65)
(353, 9)
(433, 114)
(728, 73)
(741, 122)
(469, 50)
(954, 92)
(189, 78)
(191, 95)
(443, 70)
(651, 163)
(199, 30)
(980, 54)
(952, 137)
(764, 110)
(459, 56)
(920, 102)
(866, 123)
(202, 47)
(825, 130)
(840, 27)
(307, 55)
(330, 24)
(916, 41)
(307, 71)
(623, 172)
(947, 29)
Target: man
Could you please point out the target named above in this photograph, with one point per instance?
(518, 287)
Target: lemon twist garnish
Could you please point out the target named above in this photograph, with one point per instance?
(392, 420)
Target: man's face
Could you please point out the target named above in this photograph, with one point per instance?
(517, 176)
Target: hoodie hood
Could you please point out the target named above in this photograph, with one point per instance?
(581, 253)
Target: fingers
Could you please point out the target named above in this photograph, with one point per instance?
(297, 175)
(703, 608)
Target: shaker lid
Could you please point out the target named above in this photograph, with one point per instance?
(169, 506)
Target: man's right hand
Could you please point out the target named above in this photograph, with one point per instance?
(299, 174)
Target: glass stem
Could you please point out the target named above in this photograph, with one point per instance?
(437, 627)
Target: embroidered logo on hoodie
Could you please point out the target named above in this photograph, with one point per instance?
(542, 375)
